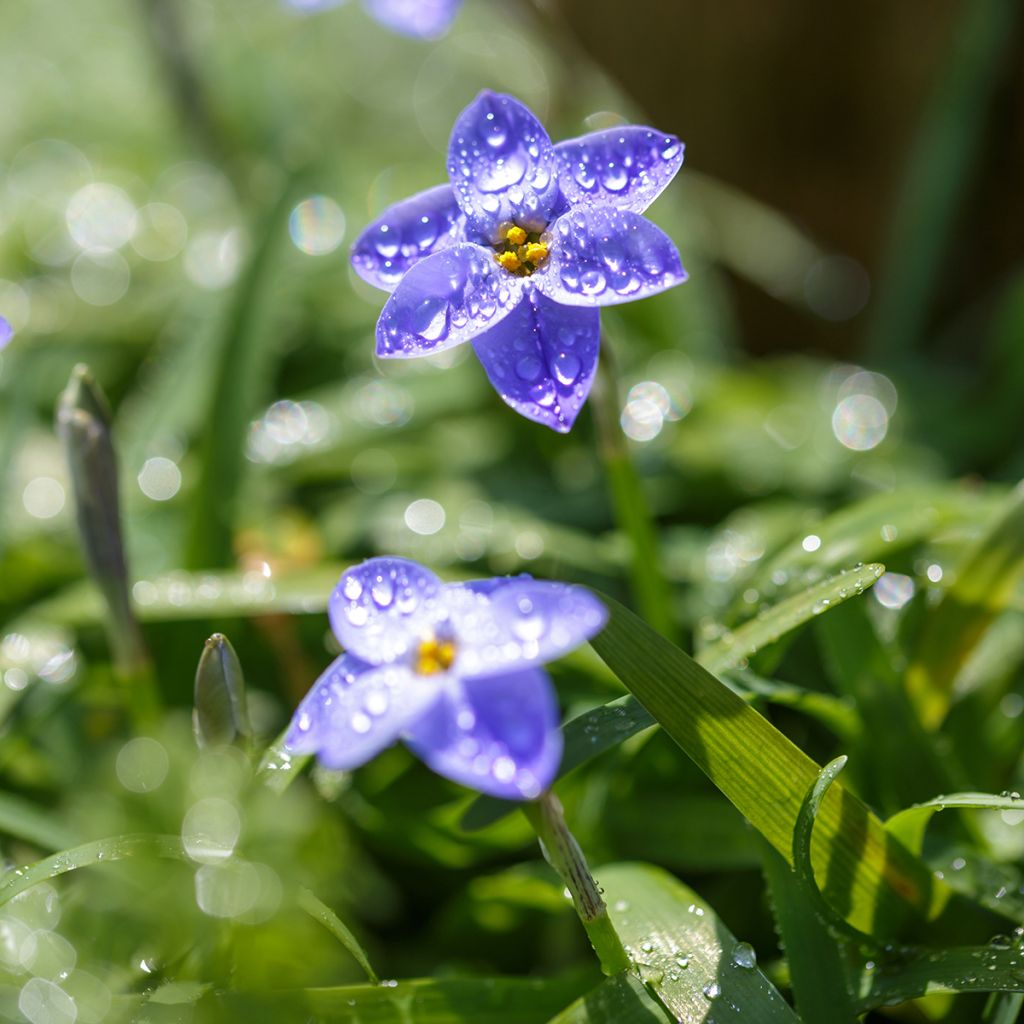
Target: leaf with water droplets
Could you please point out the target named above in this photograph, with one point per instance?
(621, 999)
(736, 646)
(985, 584)
(685, 953)
(419, 1001)
(909, 825)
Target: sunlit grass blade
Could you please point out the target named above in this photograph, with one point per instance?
(619, 1000)
(685, 954)
(421, 1001)
(607, 726)
(984, 586)
(869, 878)
(769, 626)
(836, 714)
(1003, 1008)
(319, 911)
(17, 880)
(201, 595)
(910, 824)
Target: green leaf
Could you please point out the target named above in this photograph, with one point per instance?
(911, 974)
(23, 820)
(607, 726)
(984, 587)
(200, 595)
(618, 1000)
(240, 365)
(421, 1001)
(278, 768)
(319, 911)
(909, 825)
(816, 970)
(17, 880)
(737, 645)
(869, 877)
(684, 953)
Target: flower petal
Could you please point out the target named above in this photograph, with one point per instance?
(355, 710)
(444, 300)
(421, 19)
(380, 609)
(404, 234)
(601, 256)
(499, 735)
(520, 623)
(541, 359)
(502, 166)
(624, 167)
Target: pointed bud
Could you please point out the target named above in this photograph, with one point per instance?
(220, 714)
(83, 423)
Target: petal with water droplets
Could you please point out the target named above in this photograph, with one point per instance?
(447, 298)
(498, 735)
(625, 167)
(406, 233)
(541, 359)
(601, 256)
(380, 609)
(355, 710)
(520, 623)
(421, 19)
(502, 166)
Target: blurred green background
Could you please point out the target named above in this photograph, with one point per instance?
(179, 184)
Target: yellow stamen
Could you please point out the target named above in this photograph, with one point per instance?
(509, 260)
(536, 252)
(434, 656)
(515, 235)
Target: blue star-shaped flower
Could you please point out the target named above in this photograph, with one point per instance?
(451, 669)
(517, 253)
(422, 19)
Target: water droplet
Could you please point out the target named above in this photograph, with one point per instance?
(744, 956)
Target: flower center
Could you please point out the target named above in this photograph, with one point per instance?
(434, 655)
(520, 251)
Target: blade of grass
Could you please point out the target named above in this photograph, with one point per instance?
(685, 954)
(619, 1000)
(984, 587)
(319, 911)
(240, 369)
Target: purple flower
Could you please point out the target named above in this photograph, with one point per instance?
(422, 19)
(521, 249)
(6, 332)
(452, 669)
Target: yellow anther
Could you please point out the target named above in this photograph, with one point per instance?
(515, 235)
(434, 656)
(536, 252)
(509, 260)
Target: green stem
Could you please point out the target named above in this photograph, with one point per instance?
(632, 515)
(563, 853)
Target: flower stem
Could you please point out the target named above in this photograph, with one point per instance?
(563, 853)
(632, 515)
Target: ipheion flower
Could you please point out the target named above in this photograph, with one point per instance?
(520, 250)
(453, 670)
